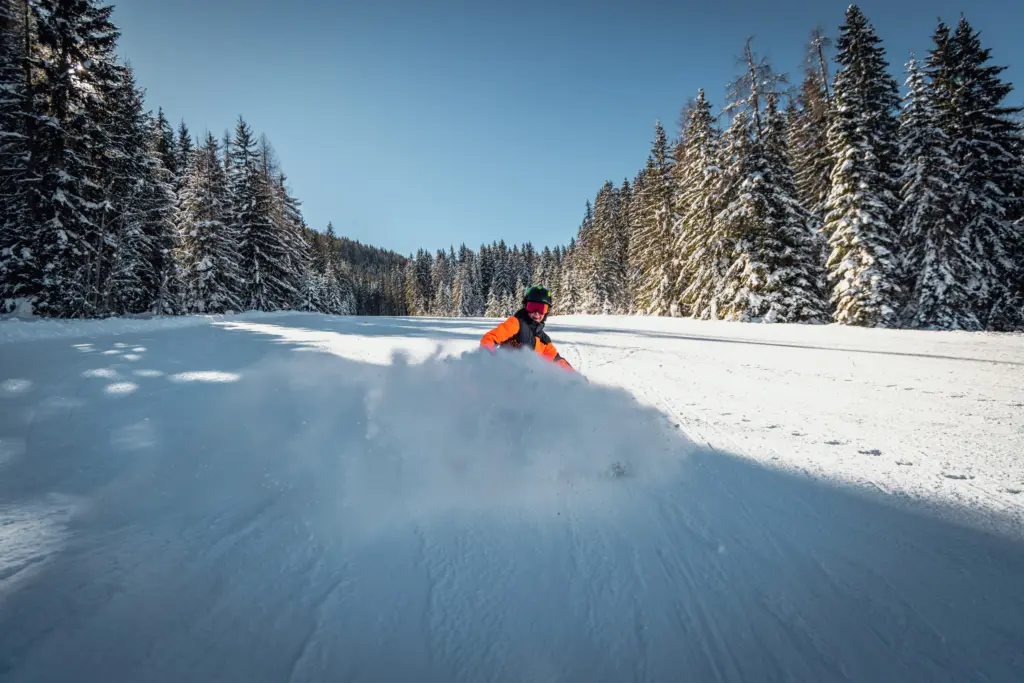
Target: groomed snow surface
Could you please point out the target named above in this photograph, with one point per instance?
(308, 498)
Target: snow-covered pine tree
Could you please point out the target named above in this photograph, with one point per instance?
(424, 282)
(553, 279)
(711, 248)
(117, 262)
(634, 224)
(161, 163)
(72, 61)
(529, 262)
(166, 144)
(410, 292)
(543, 267)
(460, 282)
(970, 98)
(158, 204)
(263, 256)
(569, 298)
(761, 233)
(650, 247)
(313, 293)
(466, 299)
(702, 259)
(345, 282)
(441, 280)
(1009, 313)
(210, 258)
(325, 269)
(790, 289)
(575, 276)
(519, 271)
(503, 280)
(185, 147)
(860, 211)
(585, 264)
(808, 137)
(478, 302)
(226, 147)
(291, 229)
(453, 274)
(513, 301)
(604, 271)
(140, 216)
(495, 307)
(938, 266)
(738, 291)
(15, 115)
(624, 228)
(485, 263)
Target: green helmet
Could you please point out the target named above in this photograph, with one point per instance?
(538, 294)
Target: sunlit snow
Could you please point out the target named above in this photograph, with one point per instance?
(300, 497)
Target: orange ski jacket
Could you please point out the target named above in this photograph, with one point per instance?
(520, 332)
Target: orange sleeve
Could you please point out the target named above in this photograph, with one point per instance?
(551, 353)
(500, 334)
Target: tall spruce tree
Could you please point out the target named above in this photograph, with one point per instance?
(71, 62)
(627, 297)
(158, 203)
(467, 298)
(210, 260)
(263, 255)
(118, 264)
(651, 253)
(711, 244)
(133, 260)
(792, 290)
(700, 200)
(771, 276)
(410, 295)
(251, 221)
(938, 265)
(568, 287)
(15, 111)
(860, 211)
(185, 147)
(442, 280)
(290, 228)
(808, 137)
(604, 272)
(969, 97)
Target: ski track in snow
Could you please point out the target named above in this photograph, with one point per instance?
(281, 498)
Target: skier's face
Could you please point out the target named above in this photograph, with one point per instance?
(536, 310)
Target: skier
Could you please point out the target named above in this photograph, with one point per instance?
(525, 329)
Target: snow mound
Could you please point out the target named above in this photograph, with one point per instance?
(476, 432)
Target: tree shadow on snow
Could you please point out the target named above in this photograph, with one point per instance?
(249, 513)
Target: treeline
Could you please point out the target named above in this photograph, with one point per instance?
(106, 210)
(834, 201)
(488, 282)
(377, 275)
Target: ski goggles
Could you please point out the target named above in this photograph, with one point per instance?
(536, 307)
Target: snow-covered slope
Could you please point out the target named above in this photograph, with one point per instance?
(283, 498)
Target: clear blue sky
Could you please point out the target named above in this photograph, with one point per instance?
(414, 123)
